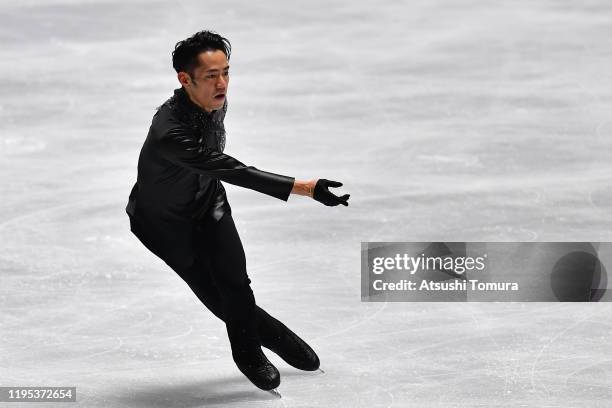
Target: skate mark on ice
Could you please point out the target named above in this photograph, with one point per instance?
(265, 265)
(117, 346)
(148, 318)
(49, 210)
(597, 203)
(507, 373)
(187, 333)
(547, 345)
(585, 368)
(354, 325)
(458, 340)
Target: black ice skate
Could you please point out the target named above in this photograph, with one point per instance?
(288, 345)
(258, 369)
(251, 361)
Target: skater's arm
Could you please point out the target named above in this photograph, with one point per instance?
(180, 145)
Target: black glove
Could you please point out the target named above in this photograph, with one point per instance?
(323, 195)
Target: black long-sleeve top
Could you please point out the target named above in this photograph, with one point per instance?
(181, 166)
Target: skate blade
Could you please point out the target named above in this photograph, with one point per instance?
(321, 371)
(275, 393)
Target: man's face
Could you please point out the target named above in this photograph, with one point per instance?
(207, 87)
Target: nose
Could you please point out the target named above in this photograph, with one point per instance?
(221, 83)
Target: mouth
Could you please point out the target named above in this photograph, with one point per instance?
(219, 97)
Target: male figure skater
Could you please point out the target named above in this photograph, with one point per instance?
(179, 210)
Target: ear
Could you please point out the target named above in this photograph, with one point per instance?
(183, 78)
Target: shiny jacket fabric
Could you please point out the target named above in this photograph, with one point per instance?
(180, 169)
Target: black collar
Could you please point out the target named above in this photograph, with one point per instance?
(188, 105)
(193, 113)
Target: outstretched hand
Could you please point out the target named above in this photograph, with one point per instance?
(323, 195)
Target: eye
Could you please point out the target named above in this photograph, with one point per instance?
(226, 73)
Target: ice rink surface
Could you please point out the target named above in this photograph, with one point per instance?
(446, 121)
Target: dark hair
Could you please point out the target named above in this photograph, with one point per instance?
(185, 54)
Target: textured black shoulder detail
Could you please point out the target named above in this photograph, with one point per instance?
(208, 125)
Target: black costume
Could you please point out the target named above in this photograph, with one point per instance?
(179, 210)
(180, 169)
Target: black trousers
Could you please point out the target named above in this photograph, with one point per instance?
(219, 278)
